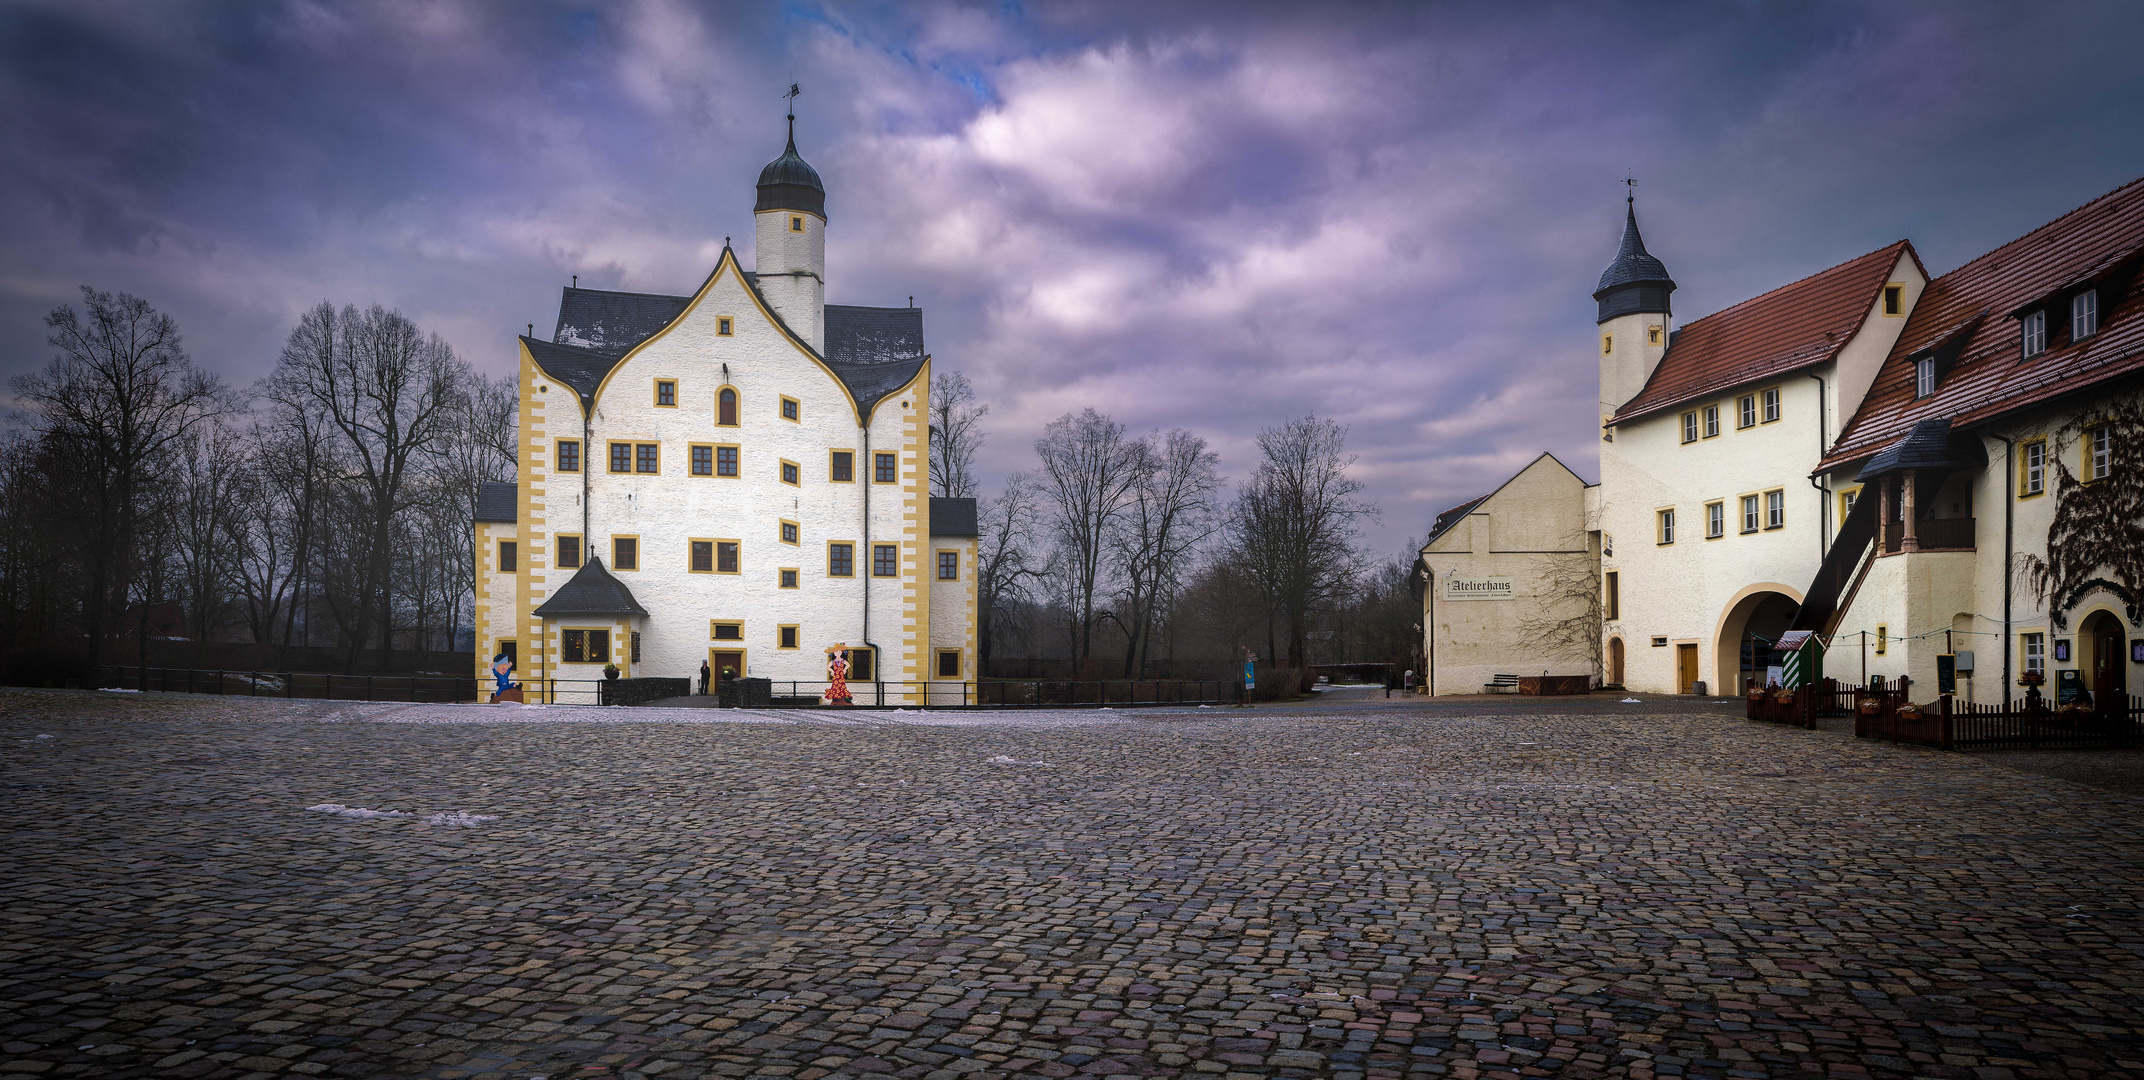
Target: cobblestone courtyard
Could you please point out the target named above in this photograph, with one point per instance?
(1663, 891)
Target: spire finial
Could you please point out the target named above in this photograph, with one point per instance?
(791, 97)
(1631, 197)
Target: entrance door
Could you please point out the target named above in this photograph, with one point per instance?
(1685, 669)
(2109, 669)
(726, 665)
(1615, 661)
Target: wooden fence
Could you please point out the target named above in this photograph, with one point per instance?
(1950, 724)
(1802, 708)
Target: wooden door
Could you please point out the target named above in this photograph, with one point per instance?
(726, 665)
(2110, 670)
(1615, 661)
(1685, 669)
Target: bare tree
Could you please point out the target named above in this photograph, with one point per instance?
(390, 396)
(1295, 524)
(1089, 470)
(120, 394)
(956, 434)
(1006, 567)
(1169, 514)
(207, 480)
(1564, 622)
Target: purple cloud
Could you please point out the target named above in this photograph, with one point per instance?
(1209, 216)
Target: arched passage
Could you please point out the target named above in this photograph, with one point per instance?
(1751, 621)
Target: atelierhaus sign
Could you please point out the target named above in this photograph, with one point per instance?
(1477, 588)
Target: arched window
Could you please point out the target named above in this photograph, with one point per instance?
(726, 408)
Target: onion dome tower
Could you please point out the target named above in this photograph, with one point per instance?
(1633, 316)
(790, 241)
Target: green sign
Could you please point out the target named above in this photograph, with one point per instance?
(2069, 685)
(1946, 674)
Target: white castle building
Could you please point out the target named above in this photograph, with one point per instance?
(738, 476)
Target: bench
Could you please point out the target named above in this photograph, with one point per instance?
(1501, 684)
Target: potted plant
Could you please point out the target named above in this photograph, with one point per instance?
(1756, 694)
(2032, 678)
(1869, 707)
(610, 671)
(1909, 711)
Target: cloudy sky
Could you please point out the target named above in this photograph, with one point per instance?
(1209, 216)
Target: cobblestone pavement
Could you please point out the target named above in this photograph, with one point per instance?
(192, 890)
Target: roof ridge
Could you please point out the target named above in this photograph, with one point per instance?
(2042, 227)
(1902, 242)
(628, 292)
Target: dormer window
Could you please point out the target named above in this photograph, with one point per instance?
(1894, 299)
(2034, 334)
(1924, 376)
(2084, 314)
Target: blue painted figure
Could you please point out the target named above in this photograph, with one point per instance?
(502, 666)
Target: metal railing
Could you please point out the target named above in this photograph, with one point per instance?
(315, 685)
(793, 694)
(1932, 534)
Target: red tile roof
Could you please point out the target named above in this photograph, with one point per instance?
(1790, 328)
(2102, 239)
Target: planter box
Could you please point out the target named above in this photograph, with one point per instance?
(1555, 685)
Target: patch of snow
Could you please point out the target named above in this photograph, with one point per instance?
(118, 690)
(356, 811)
(1630, 701)
(1003, 760)
(459, 818)
(44, 736)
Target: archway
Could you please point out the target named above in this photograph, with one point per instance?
(1615, 662)
(1749, 624)
(2103, 657)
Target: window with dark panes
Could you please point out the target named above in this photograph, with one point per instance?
(725, 461)
(636, 646)
(509, 556)
(840, 560)
(789, 408)
(666, 393)
(949, 566)
(726, 408)
(789, 532)
(569, 456)
(644, 458)
(621, 457)
(703, 461)
(725, 556)
(842, 466)
(883, 562)
(885, 468)
(703, 557)
(625, 553)
(789, 472)
(788, 638)
(789, 579)
(949, 663)
(729, 631)
(569, 551)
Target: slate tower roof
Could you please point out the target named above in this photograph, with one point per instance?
(790, 183)
(1635, 282)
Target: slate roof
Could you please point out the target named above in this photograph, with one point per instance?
(953, 517)
(591, 591)
(875, 351)
(581, 369)
(496, 502)
(873, 335)
(1789, 329)
(612, 322)
(2100, 243)
(1929, 445)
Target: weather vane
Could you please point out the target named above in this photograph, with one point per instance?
(791, 99)
(1630, 183)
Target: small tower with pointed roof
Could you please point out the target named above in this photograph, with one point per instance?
(790, 249)
(1633, 319)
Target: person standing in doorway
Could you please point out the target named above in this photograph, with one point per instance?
(1408, 680)
(703, 678)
